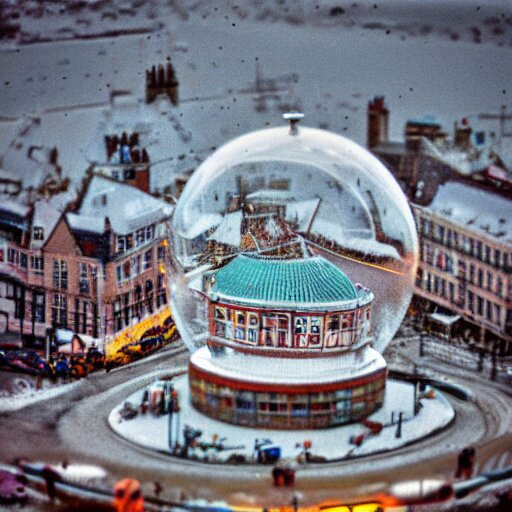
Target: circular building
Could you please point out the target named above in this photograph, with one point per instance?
(288, 346)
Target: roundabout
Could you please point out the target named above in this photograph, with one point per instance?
(382, 432)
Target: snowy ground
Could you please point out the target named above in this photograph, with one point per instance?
(28, 395)
(152, 432)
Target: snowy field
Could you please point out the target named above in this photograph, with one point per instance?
(334, 443)
(448, 59)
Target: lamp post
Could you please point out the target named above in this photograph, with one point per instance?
(169, 390)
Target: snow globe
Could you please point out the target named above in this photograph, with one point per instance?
(290, 191)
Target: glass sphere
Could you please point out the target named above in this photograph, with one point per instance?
(302, 186)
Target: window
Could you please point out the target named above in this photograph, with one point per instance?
(36, 264)
(480, 277)
(140, 237)
(127, 269)
(276, 330)
(239, 325)
(83, 278)
(59, 310)
(23, 260)
(480, 304)
(307, 331)
(119, 273)
(38, 233)
(39, 307)
(161, 252)
(121, 244)
(489, 311)
(135, 266)
(149, 296)
(499, 287)
(127, 309)
(117, 315)
(497, 257)
(471, 273)
(489, 280)
(148, 257)
(60, 274)
(139, 304)
(161, 297)
(451, 288)
(12, 256)
(150, 232)
(471, 302)
(497, 313)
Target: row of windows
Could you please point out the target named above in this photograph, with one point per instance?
(136, 304)
(134, 266)
(140, 237)
(83, 319)
(471, 246)
(19, 258)
(459, 296)
(472, 273)
(341, 405)
(287, 330)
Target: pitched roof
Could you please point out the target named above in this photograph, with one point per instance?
(127, 207)
(475, 209)
(306, 282)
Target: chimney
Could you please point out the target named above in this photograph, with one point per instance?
(378, 122)
(462, 135)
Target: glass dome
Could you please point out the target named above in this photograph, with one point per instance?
(294, 185)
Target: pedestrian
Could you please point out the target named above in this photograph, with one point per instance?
(50, 476)
(157, 489)
(465, 464)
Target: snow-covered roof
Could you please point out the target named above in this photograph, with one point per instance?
(475, 209)
(14, 207)
(444, 319)
(270, 196)
(127, 207)
(332, 231)
(302, 212)
(229, 230)
(271, 370)
(203, 224)
(86, 223)
(424, 121)
(6, 175)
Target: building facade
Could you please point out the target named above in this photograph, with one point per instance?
(288, 346)
(94, 271)
(464, 224)
(465, 263)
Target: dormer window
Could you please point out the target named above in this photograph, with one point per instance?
(38, 233)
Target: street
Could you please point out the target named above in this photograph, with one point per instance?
(74, 428)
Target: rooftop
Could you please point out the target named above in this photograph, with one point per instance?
(127, 207)
(299, 283)
(475, 209)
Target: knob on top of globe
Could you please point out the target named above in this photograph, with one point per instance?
(293, 192)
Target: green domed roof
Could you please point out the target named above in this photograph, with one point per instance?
(253, 279)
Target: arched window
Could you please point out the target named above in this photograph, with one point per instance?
(149, 295)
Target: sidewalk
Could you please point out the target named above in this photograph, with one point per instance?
(404, 354)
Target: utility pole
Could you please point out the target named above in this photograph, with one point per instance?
(398, 433)
(501, 117)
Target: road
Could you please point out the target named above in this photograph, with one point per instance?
(74, 427)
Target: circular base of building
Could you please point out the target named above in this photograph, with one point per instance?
(401, 424)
